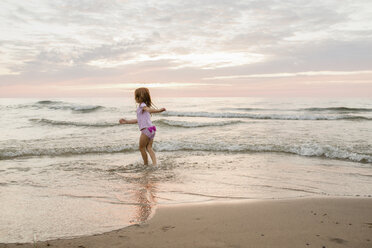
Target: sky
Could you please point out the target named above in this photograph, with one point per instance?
(205, 48)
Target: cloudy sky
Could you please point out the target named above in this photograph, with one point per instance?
(186, 48)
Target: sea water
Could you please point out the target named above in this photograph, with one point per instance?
(68, 168)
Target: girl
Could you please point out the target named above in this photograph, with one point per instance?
(145, 108)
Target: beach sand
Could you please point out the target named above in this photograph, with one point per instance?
(305, 222)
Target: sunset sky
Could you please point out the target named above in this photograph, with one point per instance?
(186, 48)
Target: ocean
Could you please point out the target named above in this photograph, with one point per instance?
(68, 168)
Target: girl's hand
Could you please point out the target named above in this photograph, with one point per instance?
(122, 121)
(162, 110)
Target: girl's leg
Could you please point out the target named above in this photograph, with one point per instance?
(143, 142)
(151, 152)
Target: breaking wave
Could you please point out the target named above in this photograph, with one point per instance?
(61, 105)
(49, 102)
(309, 150)
(313, 109)
(265, 116)
(62, 151)
(161, 122)
(188, 124)
(72, 123)
(339, 109)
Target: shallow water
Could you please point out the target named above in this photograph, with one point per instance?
(67, 161)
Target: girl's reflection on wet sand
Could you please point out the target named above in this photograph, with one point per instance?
(145, 197)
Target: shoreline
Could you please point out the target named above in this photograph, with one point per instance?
(299, 222)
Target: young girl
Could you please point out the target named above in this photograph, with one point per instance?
(145, 108)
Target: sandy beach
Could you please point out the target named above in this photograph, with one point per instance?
(307, 222)
(170, 124)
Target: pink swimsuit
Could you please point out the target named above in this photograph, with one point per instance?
(144, 122)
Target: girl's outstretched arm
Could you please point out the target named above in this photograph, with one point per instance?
(152, 110)
(124, 121)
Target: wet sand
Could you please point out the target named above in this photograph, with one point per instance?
(307, 222)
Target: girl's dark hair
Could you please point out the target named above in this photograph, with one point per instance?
(143, 95)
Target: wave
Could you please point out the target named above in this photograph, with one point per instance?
(314, 109)
(49, 102)
(339, 109)
(163, 122)
(86, 109)
(76, 108)
(187, 124)
(72, 123)
(61, 105)
(308, 150)
(264, 116)
(253, 109)
(63, 151)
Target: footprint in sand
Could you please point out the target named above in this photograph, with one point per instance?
(338, 240)
(369, 224)
(166, 228)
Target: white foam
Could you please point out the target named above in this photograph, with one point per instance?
(307, 149)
